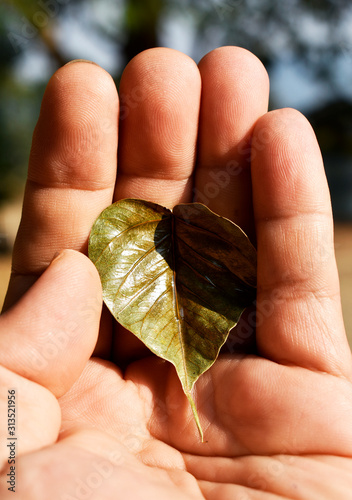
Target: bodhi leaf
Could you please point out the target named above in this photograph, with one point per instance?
(179, 280)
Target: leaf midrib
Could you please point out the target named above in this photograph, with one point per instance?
(187, 389)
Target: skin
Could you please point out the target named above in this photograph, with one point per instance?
(277, 422)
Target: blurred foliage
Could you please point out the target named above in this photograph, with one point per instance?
(141, 25)
(333, 126)
(311, 31)
(19, 104)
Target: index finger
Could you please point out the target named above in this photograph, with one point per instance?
(71, 173)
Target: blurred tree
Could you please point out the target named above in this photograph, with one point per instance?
(311, 30)
(12, 135)
(315, 32)
(333, 127)
(38, 18)
(141, 24)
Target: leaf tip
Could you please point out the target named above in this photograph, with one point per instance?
(196, 417)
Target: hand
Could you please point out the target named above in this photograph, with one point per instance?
(277, 423)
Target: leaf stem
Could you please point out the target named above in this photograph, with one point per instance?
(196, 417)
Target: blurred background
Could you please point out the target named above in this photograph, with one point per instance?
(306, 46)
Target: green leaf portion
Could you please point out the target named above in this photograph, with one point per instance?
(178, 280)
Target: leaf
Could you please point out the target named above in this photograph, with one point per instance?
(178, 280)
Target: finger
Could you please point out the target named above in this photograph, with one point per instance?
(72, 169)
(160, 96)
(49, 335)
(37, 417)
(299, 310)
(235, 91)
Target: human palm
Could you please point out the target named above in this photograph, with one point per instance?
(275, 415)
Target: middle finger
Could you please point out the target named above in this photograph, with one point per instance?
(160, 98)
(235, 94)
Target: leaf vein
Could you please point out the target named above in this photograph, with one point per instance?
(208, 305)
(141, 290)
(137, 262)
(121, 233)
(205, 278)
(204, 230)
(152, 307)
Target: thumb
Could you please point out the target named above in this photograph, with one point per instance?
(50, 333)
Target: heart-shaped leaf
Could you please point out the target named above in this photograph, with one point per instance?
(179, 280)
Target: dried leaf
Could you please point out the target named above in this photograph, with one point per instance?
(179, 280)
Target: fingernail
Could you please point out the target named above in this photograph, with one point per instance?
(57, 256)
(81, 60)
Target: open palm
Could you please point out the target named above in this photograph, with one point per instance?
(276, 413)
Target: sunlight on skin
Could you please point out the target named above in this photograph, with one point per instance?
(276, 421)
